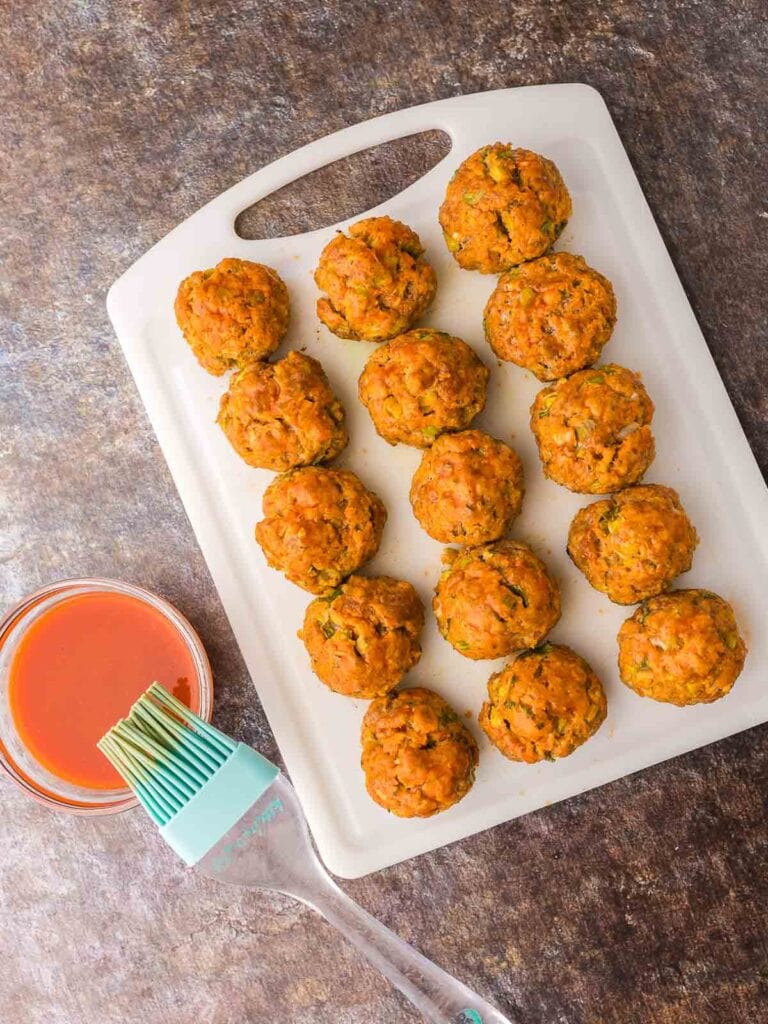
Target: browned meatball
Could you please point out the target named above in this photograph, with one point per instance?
(496, 599)
(418, 756)
(594, 430)
(543, 705)
(502, 206)
(551, 316)
(319, 526)
(376, 280)
(422, 384)
(632, 545)
(681, 648)
(468, 488)
(283, 415)
(233, 314)
(364, 637)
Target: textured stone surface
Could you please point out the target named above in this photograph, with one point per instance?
(643, 901)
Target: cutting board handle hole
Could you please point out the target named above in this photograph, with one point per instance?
(344, 188)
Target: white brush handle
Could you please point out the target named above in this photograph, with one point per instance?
(438, 996)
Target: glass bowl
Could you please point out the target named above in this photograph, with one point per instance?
(15, 759)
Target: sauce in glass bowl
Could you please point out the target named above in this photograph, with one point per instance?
(73, 659)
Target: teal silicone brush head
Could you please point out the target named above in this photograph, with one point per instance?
(165, 752)
(193, 780)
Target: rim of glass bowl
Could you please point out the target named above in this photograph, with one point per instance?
(25, 771)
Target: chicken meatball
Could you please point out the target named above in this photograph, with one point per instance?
(319, 526)
(543, 705)
(363, 637)
(283, 415)
(502, 206)
(233, 314)
(376, 280)
(468, 488)
(418, 756)
(495, 599)
(420, 385)
(593, 430)
(551, 316)
(681, 648)
(632, 545)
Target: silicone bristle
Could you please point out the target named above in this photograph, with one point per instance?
(165, 752)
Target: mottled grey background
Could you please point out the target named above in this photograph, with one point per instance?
(642, 902)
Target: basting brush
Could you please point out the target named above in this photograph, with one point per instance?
(229, 812)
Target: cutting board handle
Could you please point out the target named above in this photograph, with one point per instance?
(329, 149)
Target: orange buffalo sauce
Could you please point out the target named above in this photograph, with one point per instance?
(78, 669)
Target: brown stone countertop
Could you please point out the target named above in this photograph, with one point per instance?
(640, 903)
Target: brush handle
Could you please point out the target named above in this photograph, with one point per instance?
(270, 846)
(439, 997)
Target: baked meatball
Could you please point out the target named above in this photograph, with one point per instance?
(502, 206)
(467, 489)
(632, 545)
(418, 756)
(495, 599)
(319, 526)
(420, 385)
(594, 430)
(543, 705)
(364, 637)
(376, 280)
(681, 648)
(551, 316)
(233, 314)
(282, 415)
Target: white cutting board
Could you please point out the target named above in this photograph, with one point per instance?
(702, 452)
